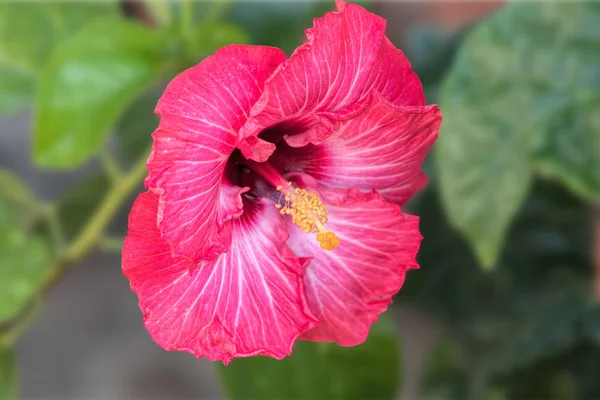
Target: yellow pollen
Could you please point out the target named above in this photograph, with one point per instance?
(308, 212)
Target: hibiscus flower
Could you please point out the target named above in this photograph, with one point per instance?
(274, 191)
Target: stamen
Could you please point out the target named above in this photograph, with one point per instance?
(305, 208)
(308, 212)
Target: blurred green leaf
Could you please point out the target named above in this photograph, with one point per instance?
(168, 12)
(322, 370)
(541, 324)
(445, 375)
(431, 52)
(484, 177)
(17, 195)
(161, 11)
(87, 83)
(136, 125)
(571, 149)
(585, 363)
(77, 205)
(540, 384)
(211, 36)
(533, 307)
(28, 33)
(519, 99)
(14, 190)
(24, 261)
(592, 325)
(8, 374)
(279, 24)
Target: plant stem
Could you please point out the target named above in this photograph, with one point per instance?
(8, 337)
(111, 243)
(56, 233)
(92, 233)
(596, 250)
(110, 166)
(164, 8)
(186, 16)
(217, 10)
(89, 237)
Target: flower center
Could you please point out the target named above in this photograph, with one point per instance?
(304, 207)
(308, 212)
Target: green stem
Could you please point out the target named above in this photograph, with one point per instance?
(89, 237)
(56, 232)
(217, 10)
(596, 250)
(111, 244)
(110, 166)
(8, 337)
(164, 8)
(111, 204)
(93, 231)
(187, 18)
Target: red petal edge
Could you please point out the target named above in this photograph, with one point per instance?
(201, 112)
(345, 57)
(250, 301)
(382, 148)
(348, 287)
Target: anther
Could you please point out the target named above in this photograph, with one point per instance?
(308, 212)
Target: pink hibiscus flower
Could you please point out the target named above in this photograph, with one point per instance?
(274, 191)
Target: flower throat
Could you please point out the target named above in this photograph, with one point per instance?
(304, 207)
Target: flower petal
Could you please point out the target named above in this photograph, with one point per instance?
(249, 301)
(346, 55)
(201, 112)
(348, 287)
(382, 148)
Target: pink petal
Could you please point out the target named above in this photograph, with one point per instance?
(348, 287)
(249, 301)
(346, 56)
(394, 78)
(381, 148)
(201, 112)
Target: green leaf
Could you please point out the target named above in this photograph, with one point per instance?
(87, 83)
(8, 374)
(322, 370)
(77, 205)
(279, 24)
(545, 323)
(521, 98)
(211, 36)
(482, 189)
(17, 195)
(24, 261)
(571, 149)
(136, 125)
(431, 52)
(531, 308)
(592, 325)
(139, 121)
(14, 190)
(161, 11)
(28, 33)
(445, 375)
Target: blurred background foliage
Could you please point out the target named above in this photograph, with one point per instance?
(510, 261)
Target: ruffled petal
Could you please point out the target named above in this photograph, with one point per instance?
(249, 301)
(201, 112)
(346, 56)
(348, 287)
(394, 78)
(382, 148)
